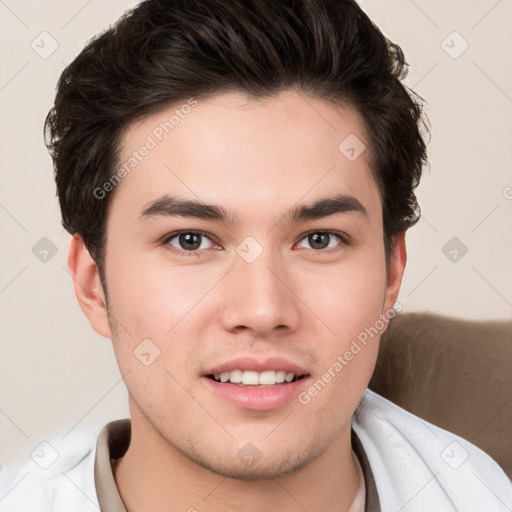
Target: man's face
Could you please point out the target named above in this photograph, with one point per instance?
(259, 291)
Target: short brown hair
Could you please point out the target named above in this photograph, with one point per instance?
(166, 51)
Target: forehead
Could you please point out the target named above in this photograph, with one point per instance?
(246, 153)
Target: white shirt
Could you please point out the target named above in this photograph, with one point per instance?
(415, 466)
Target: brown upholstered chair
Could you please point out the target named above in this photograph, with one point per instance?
(454, 373)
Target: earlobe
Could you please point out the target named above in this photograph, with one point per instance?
(395, 271)
(88, 288)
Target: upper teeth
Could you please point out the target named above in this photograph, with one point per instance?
(248, 377)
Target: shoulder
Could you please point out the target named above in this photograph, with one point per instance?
(57, 475)
(417, 465)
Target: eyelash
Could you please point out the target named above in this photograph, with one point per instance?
(344, 240)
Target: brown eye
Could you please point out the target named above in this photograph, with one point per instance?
(189, 241)
(319, 240)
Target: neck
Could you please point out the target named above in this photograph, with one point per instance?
(154, 475)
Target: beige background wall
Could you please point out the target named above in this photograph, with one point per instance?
(56, 374)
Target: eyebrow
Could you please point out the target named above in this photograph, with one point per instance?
(324, 207)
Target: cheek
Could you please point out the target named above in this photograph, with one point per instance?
(347, 347)
(347, 303)
(152, 306)
(155, 299)
(347, 299)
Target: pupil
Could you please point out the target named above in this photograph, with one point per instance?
(319, 240)
(190, 240)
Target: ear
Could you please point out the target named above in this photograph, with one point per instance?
(395, 271)
(88, 288)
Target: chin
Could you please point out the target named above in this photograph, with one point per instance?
(261, 469)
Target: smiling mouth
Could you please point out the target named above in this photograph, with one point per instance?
(256, 379)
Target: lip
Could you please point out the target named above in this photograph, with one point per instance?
(256, 365)
(257, 398)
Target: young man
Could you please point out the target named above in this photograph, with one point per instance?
(238, 178)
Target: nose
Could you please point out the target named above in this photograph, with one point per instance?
(260, 297)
